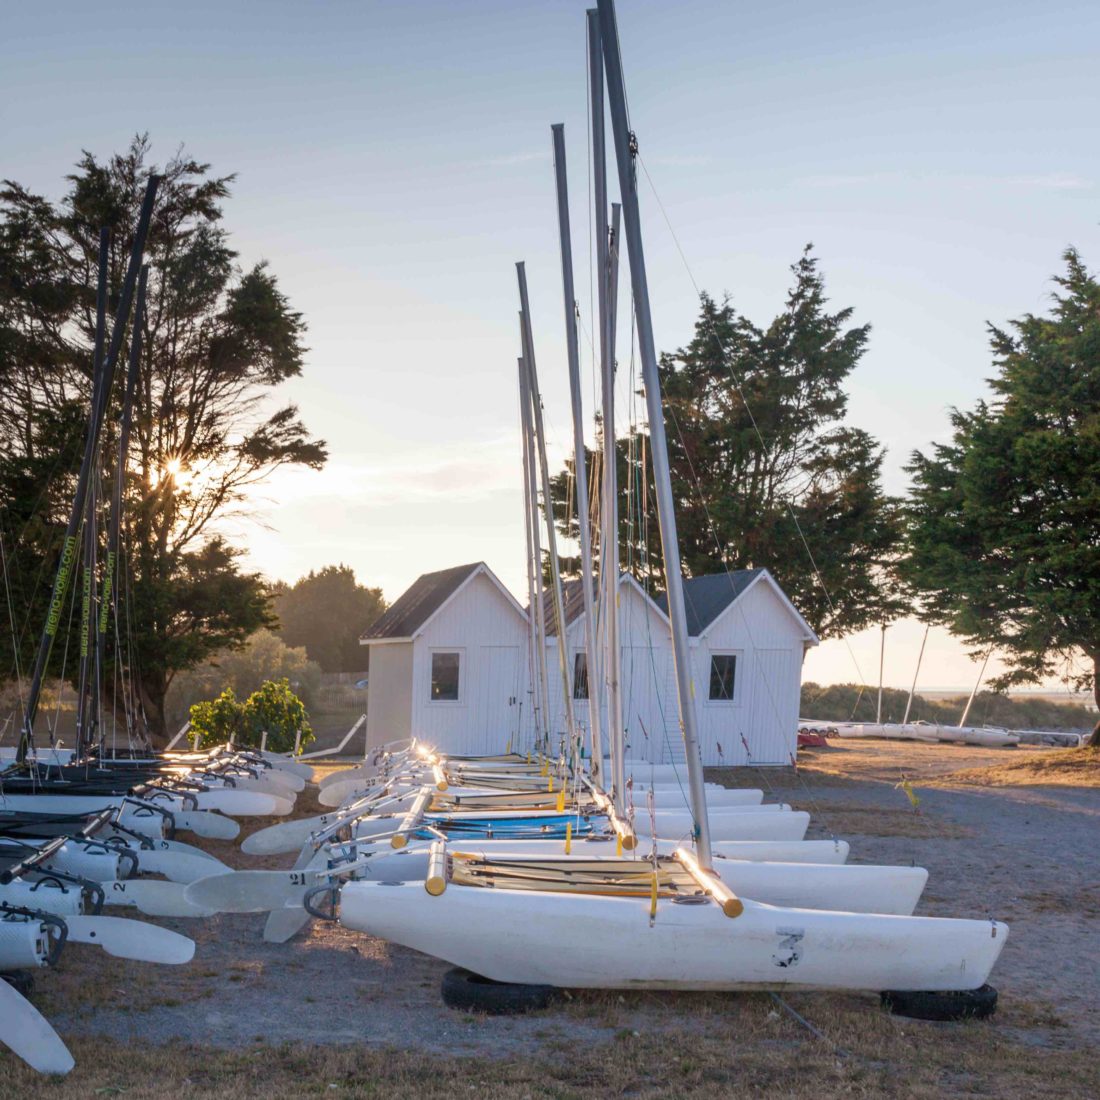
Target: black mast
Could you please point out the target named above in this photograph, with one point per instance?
(108, 604)
(87, 467)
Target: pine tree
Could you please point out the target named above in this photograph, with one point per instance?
(1004, 524)
(217, 342)
(765, 470)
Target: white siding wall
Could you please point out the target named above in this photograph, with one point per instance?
(490, 635)
(389, 702)
(759, 628)
(494, 705)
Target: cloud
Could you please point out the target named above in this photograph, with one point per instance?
(1051, 181)
(476, 473)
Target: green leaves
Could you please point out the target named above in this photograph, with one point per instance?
(216, 343)
(763, 463)
(1004, 521)
(272, 709)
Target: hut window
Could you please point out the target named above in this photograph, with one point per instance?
(723, 671)
(580, 676)
(445, 671)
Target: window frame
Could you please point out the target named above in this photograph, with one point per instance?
(738, 657)
(580, 655)
(460, 653)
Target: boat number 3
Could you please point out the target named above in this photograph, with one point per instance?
(789, 950)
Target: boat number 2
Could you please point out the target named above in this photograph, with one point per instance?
(789, 950)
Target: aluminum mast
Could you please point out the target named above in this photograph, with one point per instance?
(580, 464)
(548, 506)
(625, 149)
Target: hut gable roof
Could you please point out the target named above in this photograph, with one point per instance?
(411, 612)
(707, 598)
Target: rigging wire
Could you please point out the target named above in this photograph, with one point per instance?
(748, 410)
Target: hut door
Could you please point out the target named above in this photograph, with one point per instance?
(498, 704)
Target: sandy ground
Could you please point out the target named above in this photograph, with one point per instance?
(1022, 854)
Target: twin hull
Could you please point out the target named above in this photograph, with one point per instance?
(584, 941)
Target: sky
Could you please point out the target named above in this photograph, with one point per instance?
(393, 161)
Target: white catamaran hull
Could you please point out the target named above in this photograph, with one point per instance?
(922, 731)
(585, 941)
(236, 802)
(26, 1033)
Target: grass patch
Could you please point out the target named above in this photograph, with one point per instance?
(1051, 768)
(735, 1045)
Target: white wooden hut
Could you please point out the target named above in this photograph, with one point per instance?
(747, 641)
(448, 664)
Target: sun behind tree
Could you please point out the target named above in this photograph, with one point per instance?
(218, 342)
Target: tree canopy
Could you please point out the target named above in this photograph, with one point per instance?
(325, 612)
(1004, 543)
(765, 468)
(264, 656)
(218, 340)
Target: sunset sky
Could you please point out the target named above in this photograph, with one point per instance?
(393, 162)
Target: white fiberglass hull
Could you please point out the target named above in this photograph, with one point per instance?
(586, 941)
(855, 888)
(920, 731)
(236, 802)
(747, 823)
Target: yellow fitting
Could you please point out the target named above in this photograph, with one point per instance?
(561, 800)
(653, 895)
(550, 785)
(619, 844)
(398, 840)
(435, 882)
(568, 837)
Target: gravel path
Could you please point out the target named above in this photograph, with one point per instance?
(1025, 855)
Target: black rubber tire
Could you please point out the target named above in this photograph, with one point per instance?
(962, 1004)
(22, 981)
(469, 992)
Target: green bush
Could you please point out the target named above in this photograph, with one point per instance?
(216, 721)
(272, 708)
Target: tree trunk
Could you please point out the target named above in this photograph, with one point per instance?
(152, 692)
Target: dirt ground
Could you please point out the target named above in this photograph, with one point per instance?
(351, 1005)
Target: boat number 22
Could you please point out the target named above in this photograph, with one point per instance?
(789, 950)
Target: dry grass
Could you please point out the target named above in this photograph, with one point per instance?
(853, 819)
(1051, 768)
(744, 1045)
